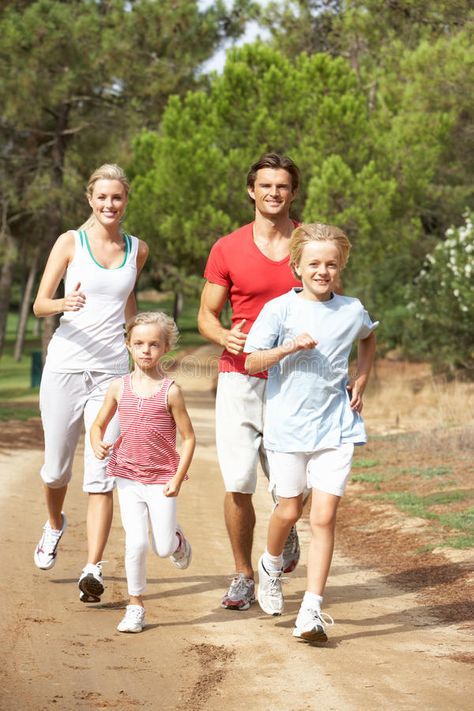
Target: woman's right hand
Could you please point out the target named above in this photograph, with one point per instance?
(75, 300)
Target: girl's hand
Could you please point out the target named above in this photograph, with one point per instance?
(75, 300)
(101, 449)
(172, 488)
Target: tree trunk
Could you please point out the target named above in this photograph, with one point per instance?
(177, 305)
(25, 307)
(6, 275)
(58, 154)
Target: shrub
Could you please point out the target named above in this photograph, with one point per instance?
(442, 304)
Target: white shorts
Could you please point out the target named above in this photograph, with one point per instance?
(327, 470)
(67, 400)
(240, 409)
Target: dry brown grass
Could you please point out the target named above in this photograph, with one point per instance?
(406, 397)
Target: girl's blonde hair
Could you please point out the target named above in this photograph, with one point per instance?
(166, 323)
(107, 171)
(318, 232)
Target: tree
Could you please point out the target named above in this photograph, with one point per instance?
(189, 177)
(77, 79)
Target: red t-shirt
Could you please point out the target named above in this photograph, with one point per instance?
(252, 279)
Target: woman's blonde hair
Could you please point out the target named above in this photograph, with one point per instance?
(166, 323)
(107, 171)
(318, 232)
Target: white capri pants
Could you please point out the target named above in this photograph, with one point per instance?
(66, 401)
(240, 410)
(141, 505)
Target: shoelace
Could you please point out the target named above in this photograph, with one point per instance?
(98, 565)
(51, 538)
(133, 614)
(323, 617)
(239, 584)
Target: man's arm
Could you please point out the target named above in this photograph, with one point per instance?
(213, 298)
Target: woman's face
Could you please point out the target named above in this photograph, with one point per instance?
(108, 202)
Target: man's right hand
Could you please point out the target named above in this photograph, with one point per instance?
(234, 340)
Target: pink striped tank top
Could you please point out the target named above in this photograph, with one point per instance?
(146, 448)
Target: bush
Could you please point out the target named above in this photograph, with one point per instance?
(442, 304)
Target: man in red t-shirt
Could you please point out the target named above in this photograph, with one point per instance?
(247, 268)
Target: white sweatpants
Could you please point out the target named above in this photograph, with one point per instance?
(68, 403)
(140, 504)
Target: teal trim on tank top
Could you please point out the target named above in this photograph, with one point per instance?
(127, 243)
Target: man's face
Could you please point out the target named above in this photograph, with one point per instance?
(272, 192)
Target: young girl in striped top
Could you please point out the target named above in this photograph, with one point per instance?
(148, 469)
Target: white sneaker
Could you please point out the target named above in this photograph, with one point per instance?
(183, 554)
(311, 625)
(270, 595)
(134, 619)
(91, 583)
(46, 550)
(241, 593)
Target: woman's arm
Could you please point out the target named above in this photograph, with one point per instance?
(60, 256)
(188, 439)
(259, 361)
(105, 414)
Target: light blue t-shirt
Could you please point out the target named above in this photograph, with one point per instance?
(307, 405)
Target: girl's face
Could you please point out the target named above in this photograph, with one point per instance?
(319, 270)
(108, 202)
(147, 345)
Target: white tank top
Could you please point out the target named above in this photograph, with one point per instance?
(93, 338)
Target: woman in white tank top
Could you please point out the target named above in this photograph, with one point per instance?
(100, 265)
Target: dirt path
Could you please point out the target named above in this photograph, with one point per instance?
(384, 652)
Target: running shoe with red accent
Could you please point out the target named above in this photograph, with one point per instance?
(183, 554)
(240, 595)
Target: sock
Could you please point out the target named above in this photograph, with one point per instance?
(312, 601)
(272, 563)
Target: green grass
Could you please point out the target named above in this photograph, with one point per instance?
(419, 506)
(16, 412)
(460, 520)
(364, 463)
(409, 503)
(424, 472)
(371, 478)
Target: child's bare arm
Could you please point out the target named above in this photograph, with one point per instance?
(105, 414)
(365, 360)
(258, 361)
(177, 407)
